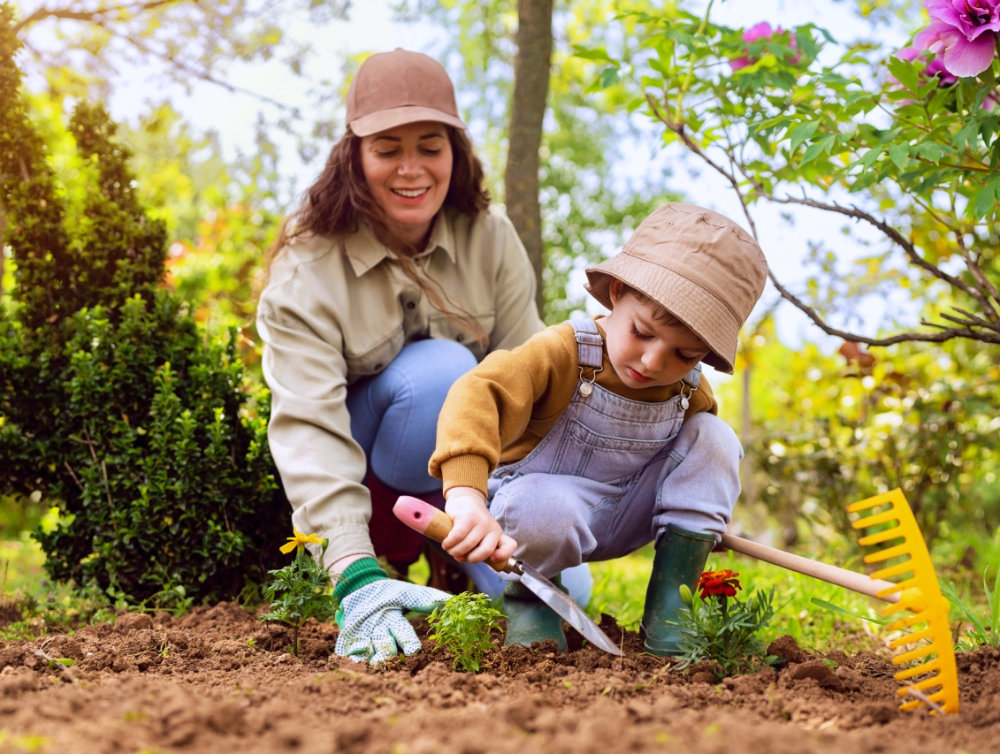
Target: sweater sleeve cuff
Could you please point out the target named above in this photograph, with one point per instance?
(358, 574)
(465, 471)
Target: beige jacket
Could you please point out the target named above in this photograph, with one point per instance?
(338, 309)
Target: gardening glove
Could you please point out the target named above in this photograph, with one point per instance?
(372, 626)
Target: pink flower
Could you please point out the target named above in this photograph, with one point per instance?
(962, 33)
(762, 30)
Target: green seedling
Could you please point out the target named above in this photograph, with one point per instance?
(717, 626)
(463, 625)
(300, 590)
(985, 631)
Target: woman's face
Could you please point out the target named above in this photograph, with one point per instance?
(408, 171)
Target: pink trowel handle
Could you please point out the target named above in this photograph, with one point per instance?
(435, 524)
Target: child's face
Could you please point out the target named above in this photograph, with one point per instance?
(644, 351)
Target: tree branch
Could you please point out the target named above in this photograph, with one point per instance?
(947, 333)
(92, 16)
(678, 129)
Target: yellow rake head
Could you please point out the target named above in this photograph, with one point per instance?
(920, 594)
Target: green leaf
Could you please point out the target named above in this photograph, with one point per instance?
(609, 77)
(593, 53)
(820, 147)
(987, 198)
(900, 155)
(838, 609)
(930, 151)
(905, 73)
(869, 158)
(801, 133)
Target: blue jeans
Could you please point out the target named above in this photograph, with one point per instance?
(394, 414)
(394, 420)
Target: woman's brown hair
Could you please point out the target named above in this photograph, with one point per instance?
(339, 201)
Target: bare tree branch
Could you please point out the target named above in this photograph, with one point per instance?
(180, 65)
(99, 16)
(92, 16)
(980, 277)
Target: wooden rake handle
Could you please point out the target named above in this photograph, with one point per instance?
(856, 582)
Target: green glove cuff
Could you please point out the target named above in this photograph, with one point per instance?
(358, 574)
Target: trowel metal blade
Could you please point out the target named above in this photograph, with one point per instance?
(566, 608)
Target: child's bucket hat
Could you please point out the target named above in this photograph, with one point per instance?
(399, 87)
(699, 265)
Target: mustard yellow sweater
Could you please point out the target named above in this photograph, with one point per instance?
(501, 410)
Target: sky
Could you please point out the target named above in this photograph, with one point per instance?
(371, 28)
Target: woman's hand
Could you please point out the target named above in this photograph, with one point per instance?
(475, 535)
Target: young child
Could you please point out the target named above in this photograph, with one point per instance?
(599, 435)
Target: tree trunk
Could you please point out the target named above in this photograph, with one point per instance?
(524, 137)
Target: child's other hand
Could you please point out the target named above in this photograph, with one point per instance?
(475, 535)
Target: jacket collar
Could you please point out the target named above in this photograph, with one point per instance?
(365, 251)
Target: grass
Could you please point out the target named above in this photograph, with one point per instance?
(620, 590)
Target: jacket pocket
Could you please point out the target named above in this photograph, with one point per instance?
(375, 359)
(439, 326)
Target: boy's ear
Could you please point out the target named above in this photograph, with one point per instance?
(615, 291)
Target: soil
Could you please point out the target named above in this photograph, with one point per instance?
(218, 680)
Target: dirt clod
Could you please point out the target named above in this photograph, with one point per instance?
(788, 649)
(132, 622)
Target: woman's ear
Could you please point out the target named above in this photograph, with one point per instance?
(615, 291)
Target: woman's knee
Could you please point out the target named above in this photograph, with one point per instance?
(433, 363)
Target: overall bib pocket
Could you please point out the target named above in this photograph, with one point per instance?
(603, 458)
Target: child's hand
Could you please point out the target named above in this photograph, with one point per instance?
(475, 535)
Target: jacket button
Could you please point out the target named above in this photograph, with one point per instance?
(411, 305)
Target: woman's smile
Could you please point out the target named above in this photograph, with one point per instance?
(411, 196)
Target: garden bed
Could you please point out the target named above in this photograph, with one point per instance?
(218, 680)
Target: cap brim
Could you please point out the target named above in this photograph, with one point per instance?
(706, 316)
(400, 116)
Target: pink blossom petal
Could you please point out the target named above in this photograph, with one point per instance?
(964, 58)
(929, 38)
(763, 29)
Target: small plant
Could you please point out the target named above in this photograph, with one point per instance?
(462, 625)
(985, 631)
(300, 590)
(717, 626)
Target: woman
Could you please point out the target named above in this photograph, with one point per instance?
(392, 279)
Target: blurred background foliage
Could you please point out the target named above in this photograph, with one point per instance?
(821, 428)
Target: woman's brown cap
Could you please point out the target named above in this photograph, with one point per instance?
(394, 88)
(699, 265)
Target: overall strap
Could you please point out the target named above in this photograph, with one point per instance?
(589, 342)
(693, 377)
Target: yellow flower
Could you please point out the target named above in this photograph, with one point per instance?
(300, 540)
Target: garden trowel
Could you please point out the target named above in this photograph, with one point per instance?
(436, 524)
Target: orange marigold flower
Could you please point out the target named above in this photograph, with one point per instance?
(718, 583)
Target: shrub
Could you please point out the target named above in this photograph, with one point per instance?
(111, 402)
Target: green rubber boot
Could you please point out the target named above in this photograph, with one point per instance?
(680, 559)
(529, 619)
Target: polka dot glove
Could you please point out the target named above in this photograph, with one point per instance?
(372, 626)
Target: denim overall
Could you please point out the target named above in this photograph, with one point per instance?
(612, 473)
